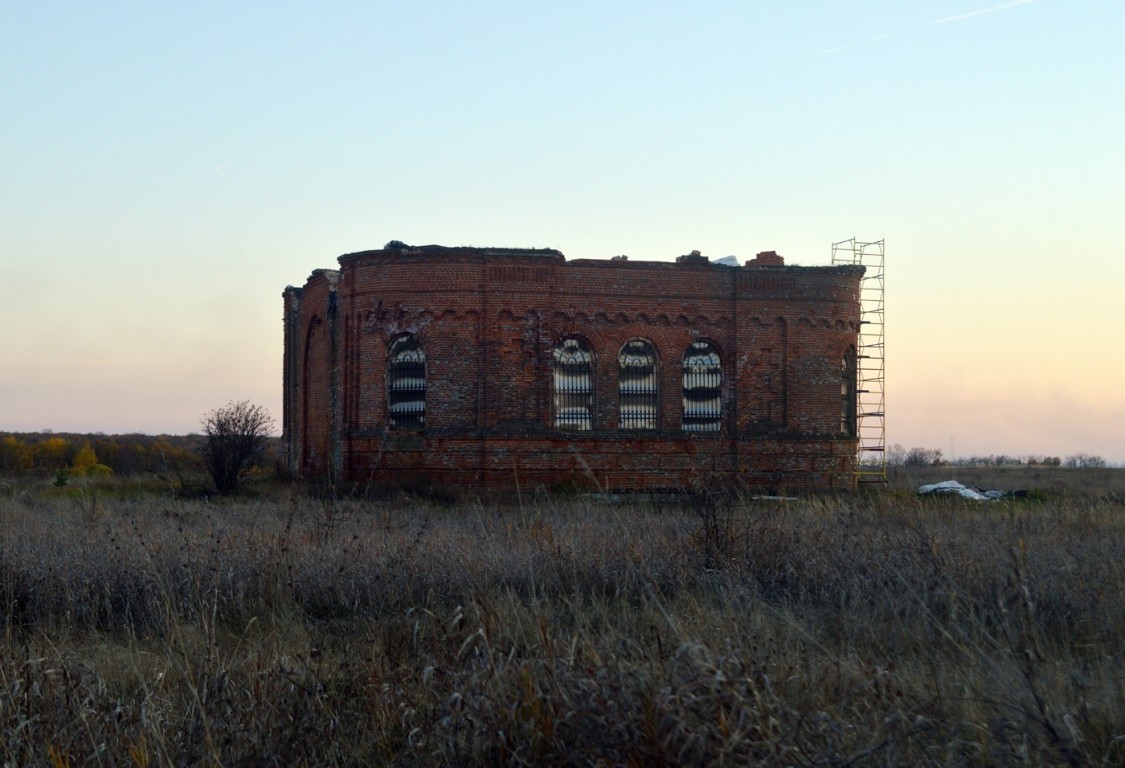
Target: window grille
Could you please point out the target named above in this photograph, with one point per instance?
(703, 379)
(406, 384)
(637, 386)
(574, 385)
(848, 393)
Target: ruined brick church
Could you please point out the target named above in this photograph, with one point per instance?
(506, 368)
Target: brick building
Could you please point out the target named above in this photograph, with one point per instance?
(498, 368)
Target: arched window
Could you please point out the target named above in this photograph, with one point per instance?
(703, 380)
(406, 383)
(637, 385)
(574, 385)
(848, 393)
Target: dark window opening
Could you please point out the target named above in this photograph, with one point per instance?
(573, 385)
(848, 393)
(406, 384)
(703, 380)
(637, 385)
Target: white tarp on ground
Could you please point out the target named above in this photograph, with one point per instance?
(956, 488)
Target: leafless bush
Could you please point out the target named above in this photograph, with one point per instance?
(922, 457)
(236, 437)
(1084, 461)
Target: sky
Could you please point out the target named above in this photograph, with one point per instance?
(167, 169)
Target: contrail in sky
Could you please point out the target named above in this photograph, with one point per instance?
(828, 51)
(867, 41)
(982, 11)
(846, 46)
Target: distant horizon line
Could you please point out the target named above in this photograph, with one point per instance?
(1111, 462)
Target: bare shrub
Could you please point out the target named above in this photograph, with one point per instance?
(1084, 461)
(922, 457)
(236, 439)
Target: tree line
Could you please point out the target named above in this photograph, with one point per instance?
(897, 456)
(235, 440)
(49, 452)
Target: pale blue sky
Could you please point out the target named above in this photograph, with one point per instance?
(168, 168)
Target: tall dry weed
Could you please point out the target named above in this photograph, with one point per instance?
(879, 629)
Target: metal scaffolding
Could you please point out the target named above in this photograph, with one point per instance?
(871, 465)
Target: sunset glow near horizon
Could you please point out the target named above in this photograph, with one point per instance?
(169, 169)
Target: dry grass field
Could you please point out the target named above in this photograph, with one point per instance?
(286, 629)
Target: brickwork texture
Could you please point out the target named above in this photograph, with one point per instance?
(488, 322)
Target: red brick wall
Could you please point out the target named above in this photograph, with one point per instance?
(310, 428)
(488, 321)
